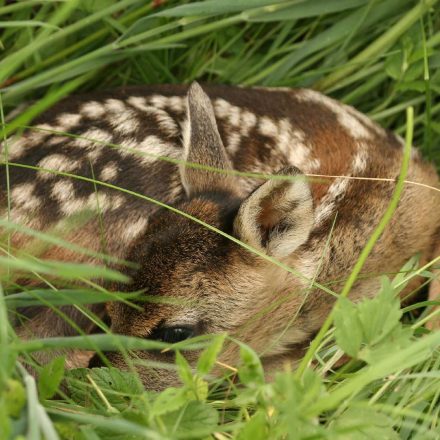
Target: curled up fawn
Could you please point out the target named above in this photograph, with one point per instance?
(181, 147)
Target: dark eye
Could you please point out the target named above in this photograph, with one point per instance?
(172, 334)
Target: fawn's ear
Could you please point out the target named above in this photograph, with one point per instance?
(203, 146)
(278, 216)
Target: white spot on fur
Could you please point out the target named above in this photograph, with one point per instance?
(115, 106)
(138, 102)
(233, 142)
(152, 148)
(273, 89)
(291, 143)
(235, 116)
(120, 117)
(360, 160)
(344, 116)
(339, 186)
(164, 120)
(69, 120)
(16, 148)
(93, 110)
(134, 229)
(100, 201)
(248, 121)
(174, 103)
(268, 127)
(109, 172)
(63, 191)
(92, 137)
(125, 124)
(57, 162)
(22, 197)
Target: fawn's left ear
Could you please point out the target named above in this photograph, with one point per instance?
(203, 146)
(278, 216)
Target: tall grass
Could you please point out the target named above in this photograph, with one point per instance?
(382, 56)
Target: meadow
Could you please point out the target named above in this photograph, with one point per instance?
(380, 56)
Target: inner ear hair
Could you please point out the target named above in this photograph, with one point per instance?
(278, 216)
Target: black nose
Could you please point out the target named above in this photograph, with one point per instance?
(95, 361)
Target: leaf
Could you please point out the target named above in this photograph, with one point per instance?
(364, 424)
(50, 377)
(250, 371)
(393, 65)
(380, 315)
(255, 428)
(169, 400)
(310, 8)
(400, 338)
(209, 355)
(348, 332)
(5, 421)
(417, 86)
(196, 420)
(15, 398)
(200, 388)
(372, 328)
(215, 7)
(400, 281)
(184, 370)
(119, 387)
(94, 5)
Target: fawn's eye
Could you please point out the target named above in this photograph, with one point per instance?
(172, 334)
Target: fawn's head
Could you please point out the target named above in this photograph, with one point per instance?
(216, 284)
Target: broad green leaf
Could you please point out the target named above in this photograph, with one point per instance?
(348, 331)
(50, 377)
(364, 424)
(380, 315)
(417, 86)
(398, 339)
(250, 371)
(119, 387)
(372, 328)
(209, 355)
(195, 420)
(169, 400)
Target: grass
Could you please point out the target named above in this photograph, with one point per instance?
(380, 56)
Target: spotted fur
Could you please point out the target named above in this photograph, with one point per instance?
(137, 138)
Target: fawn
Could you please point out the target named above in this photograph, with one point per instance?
(180, 146)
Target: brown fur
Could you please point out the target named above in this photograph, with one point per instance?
(219, 285)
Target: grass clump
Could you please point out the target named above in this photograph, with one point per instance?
(380, 56)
